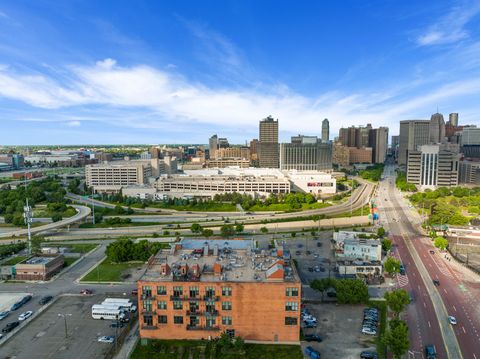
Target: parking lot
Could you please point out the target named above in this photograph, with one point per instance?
(44, 336)
(313, 255)
(340, 328)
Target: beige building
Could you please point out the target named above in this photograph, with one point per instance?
(340, 155)
(228, 162)
(360, 155)
(111, 177)
(39, 268)
(233, 152)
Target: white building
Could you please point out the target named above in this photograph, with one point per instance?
(111, 177)
(355, 247)
(314, 182)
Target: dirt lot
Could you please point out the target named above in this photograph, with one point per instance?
(340, 327)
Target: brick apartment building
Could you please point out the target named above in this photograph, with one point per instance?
(199, 289)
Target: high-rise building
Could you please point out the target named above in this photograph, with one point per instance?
(379, 143)
(453, 119)
(433, 165)
(469, 172)
(325, 130)
(413, 133)
(394, 146)
(254, 150)
(306, 153)
(268, 143)
(340, 155)
(437, 128)
(213, 146)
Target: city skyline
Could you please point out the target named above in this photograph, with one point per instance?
(179, 73)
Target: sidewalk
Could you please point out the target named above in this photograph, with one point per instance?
(129, 344)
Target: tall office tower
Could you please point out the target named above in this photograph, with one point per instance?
(306, 153)
(254, 150)
(268, 143)
(213, 146)
(325, 130)
(379, 143)
(433, 165)
(413, 133)
(437, 128)
(223, 143)
(453, 119)
(394, 146)
(362, 136)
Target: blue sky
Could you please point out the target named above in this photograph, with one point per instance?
(98, 72)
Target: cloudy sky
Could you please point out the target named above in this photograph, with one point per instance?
(107, 72)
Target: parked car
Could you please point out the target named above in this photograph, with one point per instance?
(368, 355)
(4, 314)
(106, 339)
(25, 315)
(312, 338)
(436, 282)
(402, 269)
(319, 244)
(432, 251)
(117, 325)
(10, 326)
(310, 325)
(86, 291)
(135, 292)
(452, 320)
(26, 299)
(430, 352)
(308, 253)
(297, 253)
(311, 353)
(369, 331)
(45, 299)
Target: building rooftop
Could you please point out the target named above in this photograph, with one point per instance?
(220, 261)
(38, 260)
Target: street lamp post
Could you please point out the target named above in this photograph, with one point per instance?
(28, 218)
(64, 316)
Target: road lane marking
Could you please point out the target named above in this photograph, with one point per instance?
(474, 356)
(464, 330)
(445, 291)
(455, 309)
(429, 324)
(424, 304)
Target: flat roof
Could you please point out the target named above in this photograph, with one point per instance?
(220, 261)
(38, 260)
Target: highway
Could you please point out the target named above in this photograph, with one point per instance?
(82, 212)
(427, 315)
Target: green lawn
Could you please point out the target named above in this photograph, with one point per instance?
(109, 272)
(68, 261)
(14, 260)
(174, 349)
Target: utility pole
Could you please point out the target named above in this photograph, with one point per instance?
(93, 208)
(28, 218)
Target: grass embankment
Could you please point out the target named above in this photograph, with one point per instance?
(14, 260)
(166, 349)
(358, 212)
(109, 272)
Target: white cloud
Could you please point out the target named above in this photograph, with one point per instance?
(451, 27)
(145, 97)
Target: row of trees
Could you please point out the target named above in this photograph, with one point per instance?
(396, 337)
(348, 291)
(226, 230)
(373, 173)
(403, 185)
(124, 250)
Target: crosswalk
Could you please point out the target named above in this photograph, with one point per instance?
(402, 281)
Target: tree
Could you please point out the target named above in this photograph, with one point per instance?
(239, 227)
(37, 244)
(397, 300)
(322, 284)
(57, 217)
(264, 230)
(351, 291)
(239, 343)
(196, 228)
(396, 339)
(392, 265)
(386, 244)
(441, 243)
(293, 234)
(381, 232)
(227, 230)
(206, 232)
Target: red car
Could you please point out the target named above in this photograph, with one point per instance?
(135, 292)
(86, 291)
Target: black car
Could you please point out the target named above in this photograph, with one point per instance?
(45, 299)
(331, 294)
(310, 269)
(368, 355)
(26, 299)
(10, 326)
(312, 338)
(436, 282)
(319, 244)
(308, 253)
(117, 325)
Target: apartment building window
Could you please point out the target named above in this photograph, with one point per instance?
(227, 291)
(178, 319)
(161, 290)
(226, 320)
(147, 305)
(194, 307)
(226, 305)
(210, 292)
(211, 321)
(148, 320)
(292, 292)
(210, 306)
(194, 291)
(291, 321)
(162, 319)
(177, 304)
(291, 306)
(177, 291)
(162, 305)
(147, 291)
